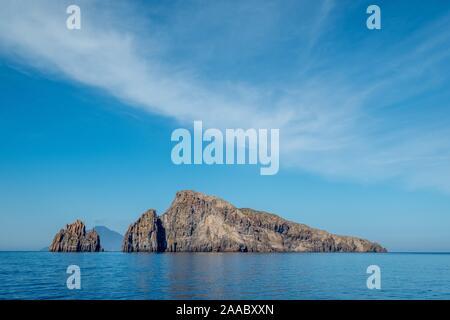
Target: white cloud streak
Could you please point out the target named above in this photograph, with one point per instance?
(330, 120)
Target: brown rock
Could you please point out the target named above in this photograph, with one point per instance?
(146, 234)
(196, 222)
(74, 238)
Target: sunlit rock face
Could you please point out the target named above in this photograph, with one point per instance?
(74, 238)
(145, 235)
(196, 222)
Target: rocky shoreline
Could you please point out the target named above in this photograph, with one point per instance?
(196, 222)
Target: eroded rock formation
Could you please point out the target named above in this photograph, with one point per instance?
(74, 238)
(196, 222)
(146, 234)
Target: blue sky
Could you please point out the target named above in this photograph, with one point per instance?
(86, 116)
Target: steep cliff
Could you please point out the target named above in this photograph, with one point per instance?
(196, 222)
(74, 238)
(146, 234)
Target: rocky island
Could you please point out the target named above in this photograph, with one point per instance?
(74, 238)
(196, 222)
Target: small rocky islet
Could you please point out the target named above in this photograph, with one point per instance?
(196, 222)
(75, 238)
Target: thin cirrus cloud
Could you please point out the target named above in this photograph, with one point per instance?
(349, 114)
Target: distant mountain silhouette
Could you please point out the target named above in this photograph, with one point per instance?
(109, 240)
(75, 238)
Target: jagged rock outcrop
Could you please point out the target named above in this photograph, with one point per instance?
(196, 222)
(145, 235)
(74, 238)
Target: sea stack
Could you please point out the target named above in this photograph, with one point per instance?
(196, 222)
(74, 238)
(145, 235)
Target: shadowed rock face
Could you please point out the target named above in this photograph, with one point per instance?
(74, 238)
(145, 235)
(196, 222)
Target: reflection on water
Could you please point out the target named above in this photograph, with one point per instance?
(42, 275)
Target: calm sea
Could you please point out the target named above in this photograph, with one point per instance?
(42, 275)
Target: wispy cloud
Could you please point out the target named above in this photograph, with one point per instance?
(354, 114)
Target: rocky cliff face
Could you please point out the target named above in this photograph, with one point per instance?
(145, 235)
(196, 222)
(74, 238)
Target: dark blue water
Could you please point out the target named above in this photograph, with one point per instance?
(42, 275)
